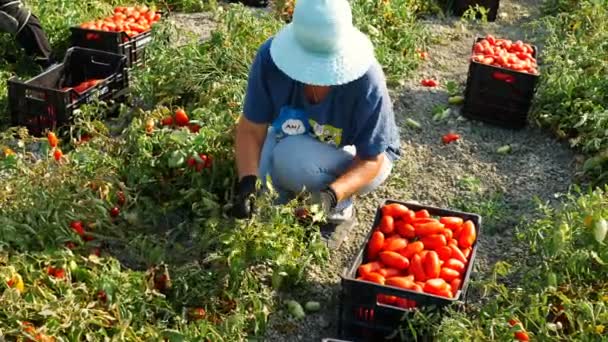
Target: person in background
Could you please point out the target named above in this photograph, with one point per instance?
(317, 117)
(19, 21)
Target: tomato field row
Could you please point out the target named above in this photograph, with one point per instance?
(125, 234)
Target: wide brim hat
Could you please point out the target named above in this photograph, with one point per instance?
(321, 46)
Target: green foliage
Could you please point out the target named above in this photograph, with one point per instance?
(571, 98)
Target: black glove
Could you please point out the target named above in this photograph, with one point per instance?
(244, 203)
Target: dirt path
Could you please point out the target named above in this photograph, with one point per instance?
(467, 175)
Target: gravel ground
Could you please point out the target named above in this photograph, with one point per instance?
(433, 173)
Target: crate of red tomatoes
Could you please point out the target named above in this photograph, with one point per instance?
(414, 256)
(502, 79)
(48, 100)
(126, 32)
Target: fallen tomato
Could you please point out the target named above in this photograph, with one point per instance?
(450, 137)
(427, 82)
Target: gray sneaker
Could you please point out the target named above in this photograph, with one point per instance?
(338, 225)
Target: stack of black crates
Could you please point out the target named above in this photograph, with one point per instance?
(48, 101)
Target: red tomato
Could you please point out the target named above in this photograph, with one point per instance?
(194, 128)
(457, 254)
(375, 244)
(435, 286)
(421, 220)
(448, 274)
(417, 269)
(405, 229)
(374, 278)
(389, 272)
(369, 267)
(394, 260)
(387, 224)
(478, 48)
(450, 137)
(488, 60)
(395, 210)
(434, 241)
(394, 243)
(402, 282)
(402, 303)
(429, 83)
(521, 336)
(456, 265)
(431, 264)
(77, 227)
(114, 211)
(444, 253)
(423, 213)
(478, 58)
(52, 138)
(168, 121)
(491, 39)
(451, 222)
(412, 249)
(429, 228)
(416, 287)
(467, 235)
(386, 299)
(181, 118)
(455, 284)
(448, 234)
(57, 154)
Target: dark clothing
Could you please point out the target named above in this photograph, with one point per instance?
(26, 27)
(33, 39)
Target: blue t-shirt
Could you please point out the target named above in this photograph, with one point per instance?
(358, 113)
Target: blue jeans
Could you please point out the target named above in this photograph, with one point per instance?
(301, 161)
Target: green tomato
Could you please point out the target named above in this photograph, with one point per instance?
(295, 309)
(600, 229)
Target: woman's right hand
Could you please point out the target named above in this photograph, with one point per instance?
(244, 202)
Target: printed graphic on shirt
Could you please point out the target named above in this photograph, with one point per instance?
(327, 133)
(293, 127)
(291, 121)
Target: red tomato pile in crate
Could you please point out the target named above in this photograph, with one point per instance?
(83, 86)
(132, 20)
(516, 56)
(414, 251)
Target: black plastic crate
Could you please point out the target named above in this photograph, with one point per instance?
(363, 318)
(498, 95)
(460, 6)
(134, 48)
(40, 103)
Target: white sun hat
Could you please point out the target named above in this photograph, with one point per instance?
(321, 46)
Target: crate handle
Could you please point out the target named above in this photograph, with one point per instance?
(501, 76)
(95, 61)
